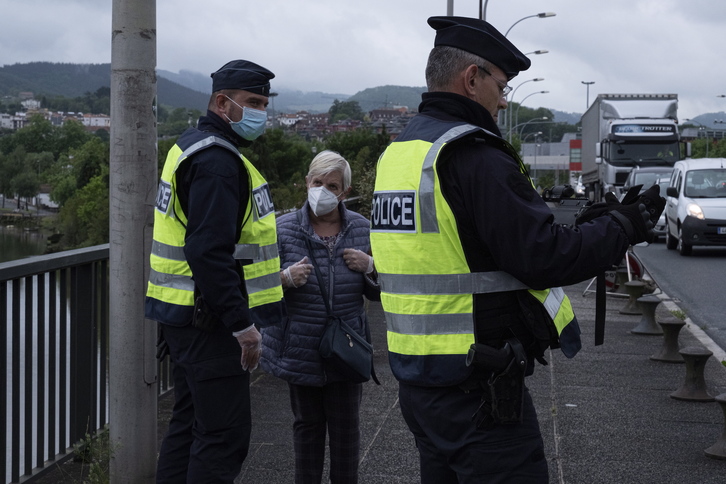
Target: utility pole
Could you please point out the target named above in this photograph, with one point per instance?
(132, 190)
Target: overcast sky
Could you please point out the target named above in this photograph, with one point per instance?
(344, 46)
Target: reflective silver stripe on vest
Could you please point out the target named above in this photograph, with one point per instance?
(200, 145)
(429, 222)
(261, 283)
(166, 251)
(553, 301)
(173, 281)
(474, 283)
(423, 324)
(255, 252)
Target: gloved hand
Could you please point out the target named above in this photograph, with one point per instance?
(162, 347)
(647, 207)
(358, 261)
(250, 340)
(654, 203)
(297, 274)
(635, 221)
(596, 210)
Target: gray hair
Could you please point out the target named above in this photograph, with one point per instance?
(327, 162)
(446, 62)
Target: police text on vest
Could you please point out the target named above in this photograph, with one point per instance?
(394, 211)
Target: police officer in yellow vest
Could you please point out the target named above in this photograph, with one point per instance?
(466, 252)
(214, 274)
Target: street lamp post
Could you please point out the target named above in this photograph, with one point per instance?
(483, 10)
(701, 128)
(587, 83)
(539, 15)
(516, 114)
(530, 134)
(511, 99)
(533, 120)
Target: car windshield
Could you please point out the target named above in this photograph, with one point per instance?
(645, 153)
(709, 183)
(646, 179)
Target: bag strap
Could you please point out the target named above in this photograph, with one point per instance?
(327, 304)
(319, 276)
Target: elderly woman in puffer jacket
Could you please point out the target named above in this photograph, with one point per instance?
(322, 400)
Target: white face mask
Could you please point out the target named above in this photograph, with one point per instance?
(322, 201)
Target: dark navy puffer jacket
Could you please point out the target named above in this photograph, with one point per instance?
(290, 347)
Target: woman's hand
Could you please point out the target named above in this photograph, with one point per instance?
(358, 261)
(297, 274)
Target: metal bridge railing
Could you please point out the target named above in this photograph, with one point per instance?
(55, 351)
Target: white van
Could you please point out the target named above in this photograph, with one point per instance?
(696, 204)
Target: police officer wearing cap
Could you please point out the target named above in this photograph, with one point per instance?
(214, 275)
(469, 257)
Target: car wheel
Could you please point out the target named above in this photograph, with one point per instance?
(671, 242)
(683, 248)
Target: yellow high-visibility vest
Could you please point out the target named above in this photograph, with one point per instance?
(170, 278)
(427, 288)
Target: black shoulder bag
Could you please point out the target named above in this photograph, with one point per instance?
(341, 347)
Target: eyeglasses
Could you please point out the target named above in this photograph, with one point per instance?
(504, 89)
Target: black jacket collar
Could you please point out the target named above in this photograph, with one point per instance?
(455, 107)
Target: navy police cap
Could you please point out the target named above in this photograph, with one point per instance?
(482, 39)
(244, 75)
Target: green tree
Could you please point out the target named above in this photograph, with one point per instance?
(39, 135)
(11, 165)
(84, 218)
(341, 110)
(40, 163)
(26, 184)
(177, 121)
(69, 136)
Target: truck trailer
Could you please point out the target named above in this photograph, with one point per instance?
(624, 131)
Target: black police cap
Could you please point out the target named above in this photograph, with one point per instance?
(244, 75)
(482, 39)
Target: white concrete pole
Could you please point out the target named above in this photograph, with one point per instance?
(132, 190)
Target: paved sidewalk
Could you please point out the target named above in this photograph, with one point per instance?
(606, 415)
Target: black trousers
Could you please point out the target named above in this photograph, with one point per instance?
(209, 431)
(332, 409)
(453, 451)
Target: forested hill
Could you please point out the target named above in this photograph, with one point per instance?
(74, 80)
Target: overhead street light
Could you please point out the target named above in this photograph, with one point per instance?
(530, 134)
(539, 15)
(516, 114)
(511, 99)
(538, 52)
(721, 95)
(587, 83)
(543, 119)
(483, 10)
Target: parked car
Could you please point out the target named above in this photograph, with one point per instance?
(696, 204)
(660, 228)
(647, 177)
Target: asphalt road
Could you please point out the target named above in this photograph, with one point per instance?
(696, 283)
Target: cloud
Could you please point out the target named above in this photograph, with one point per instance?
(342, 47)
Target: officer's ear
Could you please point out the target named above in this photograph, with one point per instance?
(471, 77)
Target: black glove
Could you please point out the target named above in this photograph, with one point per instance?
(654, 203)
(162, 348)
(590, 212)
(635, 221)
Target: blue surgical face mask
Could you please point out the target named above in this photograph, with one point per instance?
(252, 124)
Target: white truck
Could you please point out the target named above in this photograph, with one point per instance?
(624, 131)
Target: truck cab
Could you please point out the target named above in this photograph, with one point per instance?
(636, 144)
